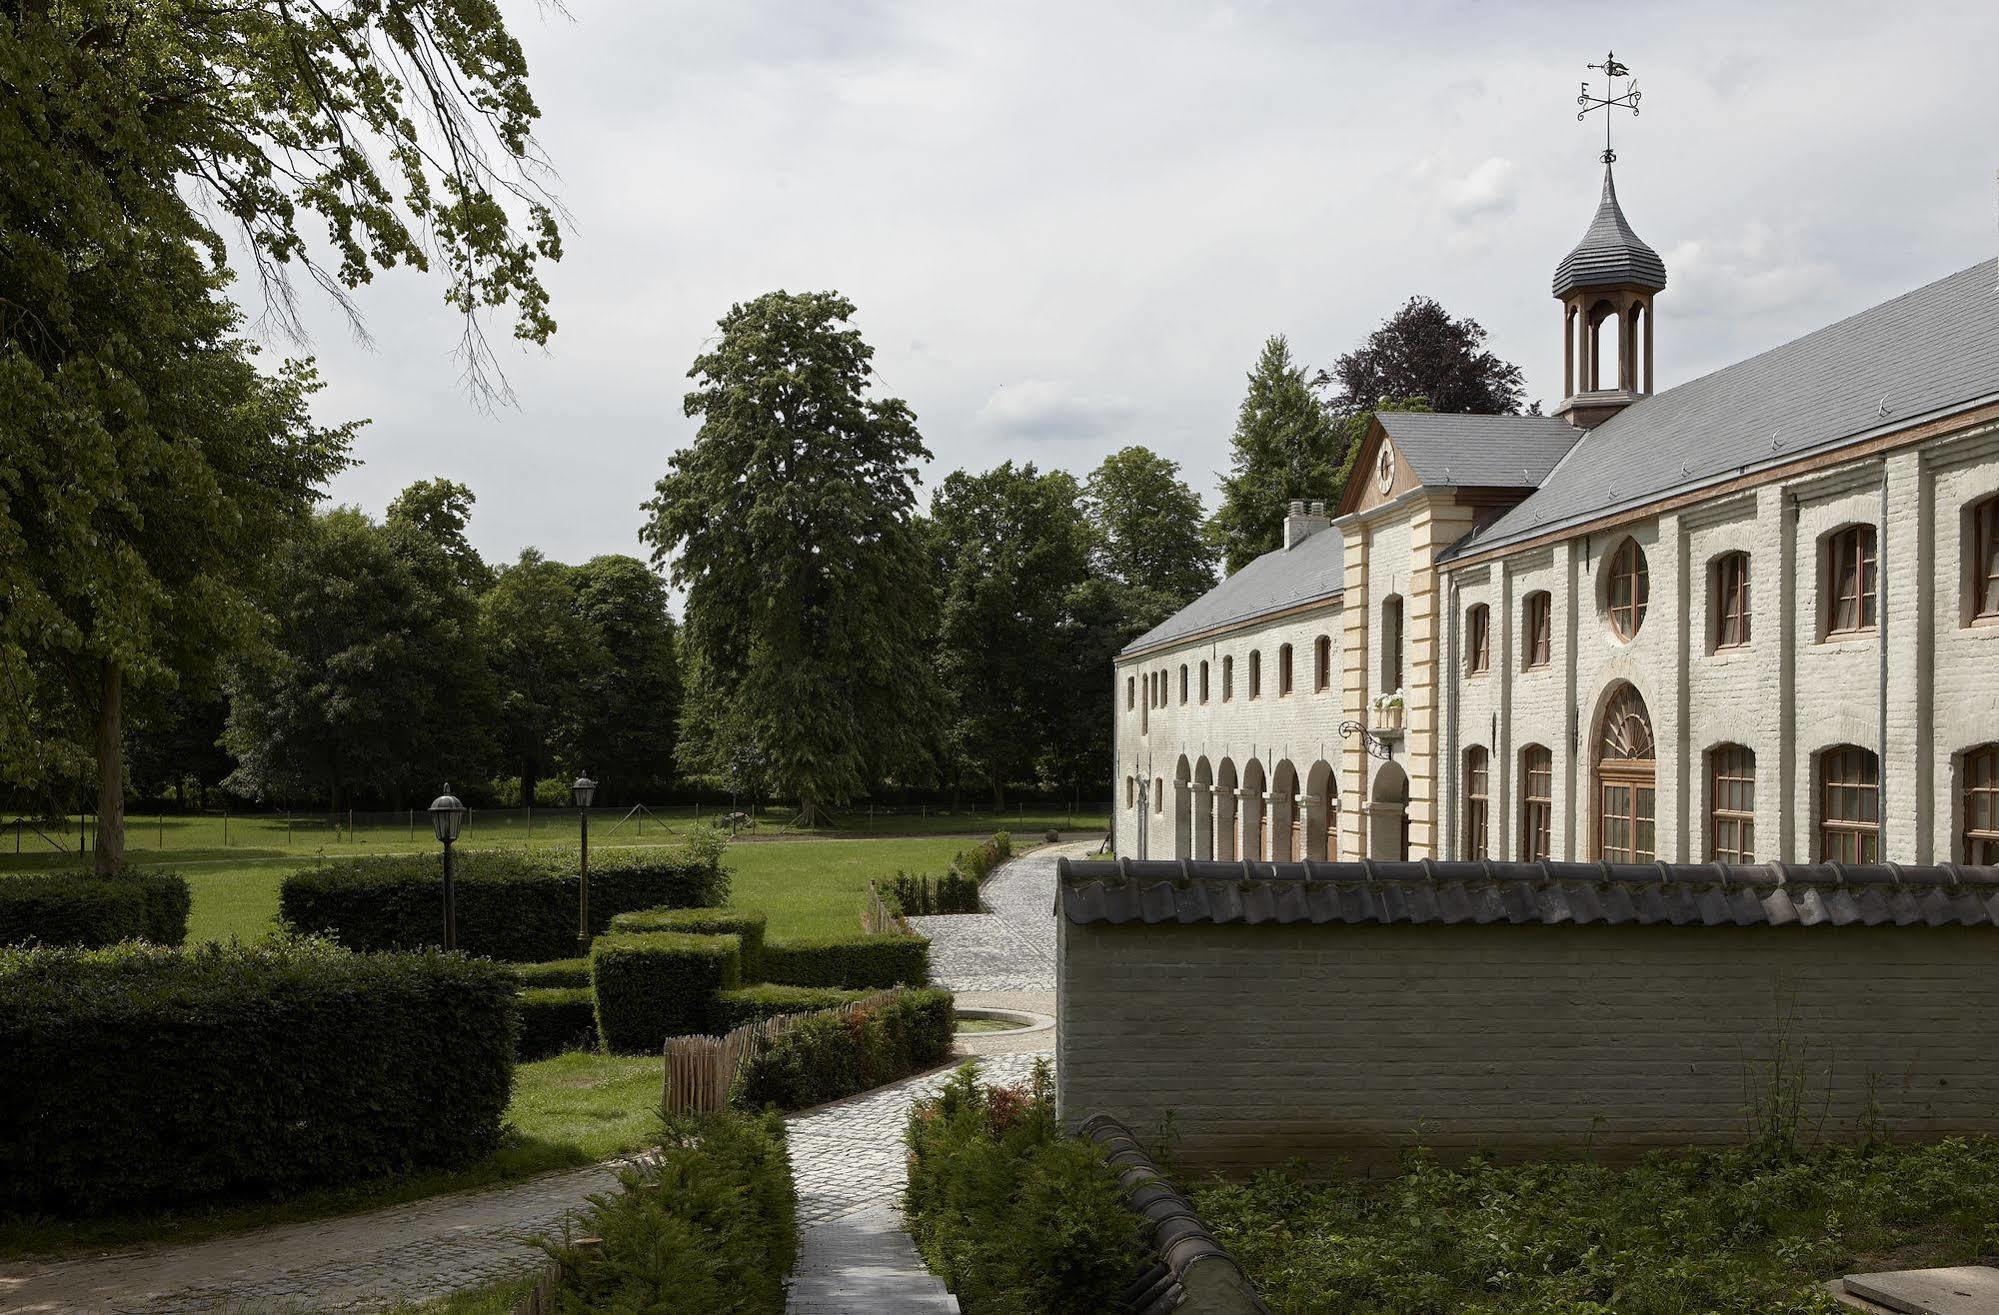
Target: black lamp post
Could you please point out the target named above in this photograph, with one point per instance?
(447, 814)
(583, 791)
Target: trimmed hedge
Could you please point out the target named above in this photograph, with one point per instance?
(707, 1224)
(555, 1019)
(138, 1075)
(829, 1054)
(753, 1004)
(555, 973)
(659, 984)
(858, 959)
(747, 925)
(511, 904)
(916, 895)
(78, 908)
(978, 863)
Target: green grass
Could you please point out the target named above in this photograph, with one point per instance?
(815, 888)
(989, 1025)
(571, 1110)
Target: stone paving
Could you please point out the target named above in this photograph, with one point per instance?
(1010, 948)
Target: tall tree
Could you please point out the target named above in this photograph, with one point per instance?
(625, 735)
(1286, 447)
(1420, 354)
(788, 522)
(437, 511)
(1014, 547)
(150, 466)
(548, 664)
(1148, 534)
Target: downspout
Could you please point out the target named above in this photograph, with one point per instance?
(1881, 644)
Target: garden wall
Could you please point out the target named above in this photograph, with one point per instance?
(1356, 1017)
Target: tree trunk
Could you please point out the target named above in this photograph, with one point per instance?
(109, 855)
(999, 795)
(810, 809)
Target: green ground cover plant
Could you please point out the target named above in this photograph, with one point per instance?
(831, 1054)
(659, 984)
(1728, 1232)
(709, 1225)
(746, 925)
(851, 960)
(82, 909)
(1015, 1215)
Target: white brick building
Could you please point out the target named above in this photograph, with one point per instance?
(1753, 616)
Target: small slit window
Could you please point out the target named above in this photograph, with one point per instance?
(1538, 641)
(1477, 791)
(1537, 803)
(1204, 682)
(1478, 639)
(1228, 678)
(1985, 560)
(1731, 600)
(1255, 674)
(1283, 670)
(1183, 684)
(1322, 664)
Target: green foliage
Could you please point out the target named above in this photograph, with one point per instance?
(914, 895)
(549, 792)
(145, 1075)
(1015, 1215)
(547, 661)
(980, 862)
(659, 984)
(556, 972)
(625, 733)
(555, 1019)
(1286, 447)
(708, 1224)
(753, 1004)
(788, 521)
(746, 925)
(855, 959)
(511, 904)
(1147, 528)
(832, 1054)
(1733, 1232)
(1421, 354)
(73, 908)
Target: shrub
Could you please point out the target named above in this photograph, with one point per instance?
(76, 908)
(953, 893)
(139, 1075)
(707, 1224)
(1051, 836)
(747, 925)
(556, 972)
(753, 1004)
(858, 959)
(978, 863)
(836, 1053)
(511, 904)
(555, 1019)
(1012, 1213)
(659, 984)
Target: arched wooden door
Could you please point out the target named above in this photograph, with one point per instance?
(1627, 781)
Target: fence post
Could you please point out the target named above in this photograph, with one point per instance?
(163, 833)
(530, 813)
(225, 826)
(412, 824)
(288, 828)
(350, 826)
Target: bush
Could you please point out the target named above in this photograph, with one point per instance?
(659, 984)
(858, 959)
(832, 1053)
(978, 864)
(707, 1224)
(554, 973)
(511, 904)
(76, 908)
(753, 1004)
(138, 1075)
(555, 1019)
(1051, 836)
(746, 925)
(953, 893)
(1012, 1213)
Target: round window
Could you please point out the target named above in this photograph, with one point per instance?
(1384, 467)
(1625, 590)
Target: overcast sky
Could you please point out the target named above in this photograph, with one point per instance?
(1069, 227)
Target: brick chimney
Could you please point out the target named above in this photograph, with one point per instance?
(1301, 524)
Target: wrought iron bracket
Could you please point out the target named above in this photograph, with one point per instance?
(1376, 745)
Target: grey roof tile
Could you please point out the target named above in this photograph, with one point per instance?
(1479, 451)
(1610, 253)
(1308, 571)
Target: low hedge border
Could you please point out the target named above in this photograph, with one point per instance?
(555, 1019)
(554, 973)
(852, 961)
(837, 1052)
(747, 925)
(143, 1075)
(979, 862)
(922, 896)
(753, 1004)
(655, 985)
(82, 909)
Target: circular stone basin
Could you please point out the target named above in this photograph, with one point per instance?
(987, 1022)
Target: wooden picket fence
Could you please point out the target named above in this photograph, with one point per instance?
(540, 1299)
(701, 1070)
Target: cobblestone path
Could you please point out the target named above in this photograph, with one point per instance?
(1012, 948)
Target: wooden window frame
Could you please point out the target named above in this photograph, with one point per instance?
(1256, 673)
(1283, 670)
(1985, 561)
(1204, 681)
(1131, 693)
(1538, 648)
(1843, 839)
(1633, 774)
(1627, 569)
(1731, 804)
(1183, 684)
(1980, 768)
(1478, 639)
(1392, 670)
(1478, 817)
(1322, 660)
(1228, 678)
(1537, 810)
(1732, 627)
(1852, 561)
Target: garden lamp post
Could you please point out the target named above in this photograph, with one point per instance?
(583, 791)
(447, 814)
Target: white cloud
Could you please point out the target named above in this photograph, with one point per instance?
(1486, 192)
(1041, 409)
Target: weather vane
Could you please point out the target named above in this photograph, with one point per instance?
(1612, 70)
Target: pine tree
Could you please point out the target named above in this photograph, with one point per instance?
(1286, 447)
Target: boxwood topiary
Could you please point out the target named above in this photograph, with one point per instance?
(82, 909)
(554, 973)
(747, 925)
(555, 1019)
(659, 984)
(752, 1004)
(858, 959)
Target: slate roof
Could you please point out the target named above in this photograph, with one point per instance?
(1925, 351)
(1609, 252)
(1608, 894)
(1312, 570)
(1479, 451)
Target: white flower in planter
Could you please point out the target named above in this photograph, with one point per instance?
(1382, 702)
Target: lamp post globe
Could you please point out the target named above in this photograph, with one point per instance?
(447, 815)
(583, 791)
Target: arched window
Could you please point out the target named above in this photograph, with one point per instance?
(1627, 780)
(1981, 805)
(1731, 804)
(1255, 674)
(1627, 590)
(1985, 560)
(1849, 806)
(1183, 684)
(1477, 789)
(1537, 803)
(1283, 670)
(1130, 693)
(1391, 644)
(1537, 640)
(1204, 680)
(1850, 583)
(1322, 664)
(1228, 678)
(1478, 639)
(1731, 600)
